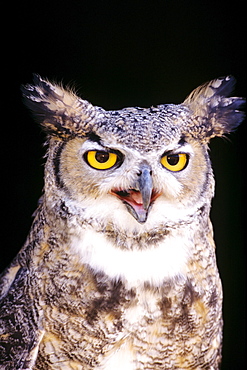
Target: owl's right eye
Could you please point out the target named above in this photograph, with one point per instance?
(100, 159)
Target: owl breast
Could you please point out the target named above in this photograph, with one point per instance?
(144, 303)
(131, 328)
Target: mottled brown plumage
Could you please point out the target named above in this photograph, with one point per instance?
(119, 268)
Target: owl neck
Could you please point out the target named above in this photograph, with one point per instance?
(151, 257)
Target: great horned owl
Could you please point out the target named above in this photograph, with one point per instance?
(119, 268)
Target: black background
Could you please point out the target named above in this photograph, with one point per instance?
(117, 54)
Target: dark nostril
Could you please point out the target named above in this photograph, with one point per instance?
(140, 173)
(145, 169)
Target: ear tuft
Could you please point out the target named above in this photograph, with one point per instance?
(60, 111)
(215, 112)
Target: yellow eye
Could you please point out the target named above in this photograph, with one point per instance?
(101, 160)
(175, 162)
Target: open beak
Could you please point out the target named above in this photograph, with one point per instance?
(139, 198)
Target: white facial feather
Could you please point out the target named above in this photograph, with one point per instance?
(164, 213)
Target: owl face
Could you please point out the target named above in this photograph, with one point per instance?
(125, 184)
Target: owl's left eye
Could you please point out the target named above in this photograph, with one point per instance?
(175, 162)
(101, 160)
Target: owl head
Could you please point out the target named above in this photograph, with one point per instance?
(144, 166)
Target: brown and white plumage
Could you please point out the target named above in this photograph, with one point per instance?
(119, 268)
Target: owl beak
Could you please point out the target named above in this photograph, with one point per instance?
(139, 198)
(145, 185)
(142, 194)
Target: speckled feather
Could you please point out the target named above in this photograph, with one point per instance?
(96, 288)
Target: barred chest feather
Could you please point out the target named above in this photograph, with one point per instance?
(140, 305)
(110, 309)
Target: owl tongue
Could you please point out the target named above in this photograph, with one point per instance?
(135, 196)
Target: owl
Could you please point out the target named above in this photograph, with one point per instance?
(119, 268)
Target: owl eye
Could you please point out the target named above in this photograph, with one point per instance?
(175, 162)
(101, 160)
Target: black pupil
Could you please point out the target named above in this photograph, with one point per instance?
(173, 159)
(102, 157)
